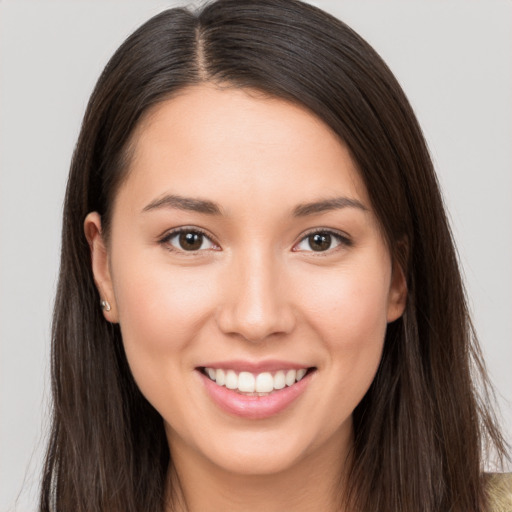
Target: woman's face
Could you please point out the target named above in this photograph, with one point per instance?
(244, 246)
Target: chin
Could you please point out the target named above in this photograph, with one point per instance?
(259, 461)
(267, 451)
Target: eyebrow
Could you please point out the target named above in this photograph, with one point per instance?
(336, 203)
(210, 208)
(184, 203)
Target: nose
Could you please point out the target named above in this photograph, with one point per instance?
(256, 301)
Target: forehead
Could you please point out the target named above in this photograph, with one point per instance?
(237, 143)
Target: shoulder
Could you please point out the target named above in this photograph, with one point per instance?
(499, 490)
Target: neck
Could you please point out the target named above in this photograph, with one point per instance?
(315, 482)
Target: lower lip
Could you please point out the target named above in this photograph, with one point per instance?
(254, 407)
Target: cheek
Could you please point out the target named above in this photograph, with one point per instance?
(350, 306)
(161, 311)
(349, 311)
(158, 305)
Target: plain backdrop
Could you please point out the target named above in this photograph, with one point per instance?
(454, 60)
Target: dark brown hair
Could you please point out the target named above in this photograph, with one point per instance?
(421, 429)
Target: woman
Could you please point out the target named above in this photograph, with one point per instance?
(259, 305)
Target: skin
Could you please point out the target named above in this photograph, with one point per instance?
(255, 290)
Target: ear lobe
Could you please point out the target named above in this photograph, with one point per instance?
(100, 264)
(397, 298)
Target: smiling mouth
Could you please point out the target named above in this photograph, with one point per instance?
(255, 384)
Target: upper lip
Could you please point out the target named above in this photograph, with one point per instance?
(239, 365)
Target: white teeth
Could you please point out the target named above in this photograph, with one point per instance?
(246, 382)
(231, 379)
(220, 378)
(291, 375)
(301, 373)
(279, 380)
(263, 383)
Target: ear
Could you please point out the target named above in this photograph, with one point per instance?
(100, 264)
(397, 297)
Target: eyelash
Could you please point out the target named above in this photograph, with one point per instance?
(342, 238)
(165, 240)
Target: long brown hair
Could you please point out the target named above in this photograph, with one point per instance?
(423, 425)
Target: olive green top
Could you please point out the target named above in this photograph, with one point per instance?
(500, 492)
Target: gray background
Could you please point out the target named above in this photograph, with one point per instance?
(454, 60)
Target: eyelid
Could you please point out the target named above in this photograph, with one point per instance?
(340, 236)
(168, 235)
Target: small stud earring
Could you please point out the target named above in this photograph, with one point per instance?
(105, 305)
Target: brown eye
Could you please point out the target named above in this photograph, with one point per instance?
(188, 240)
(320, 241)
